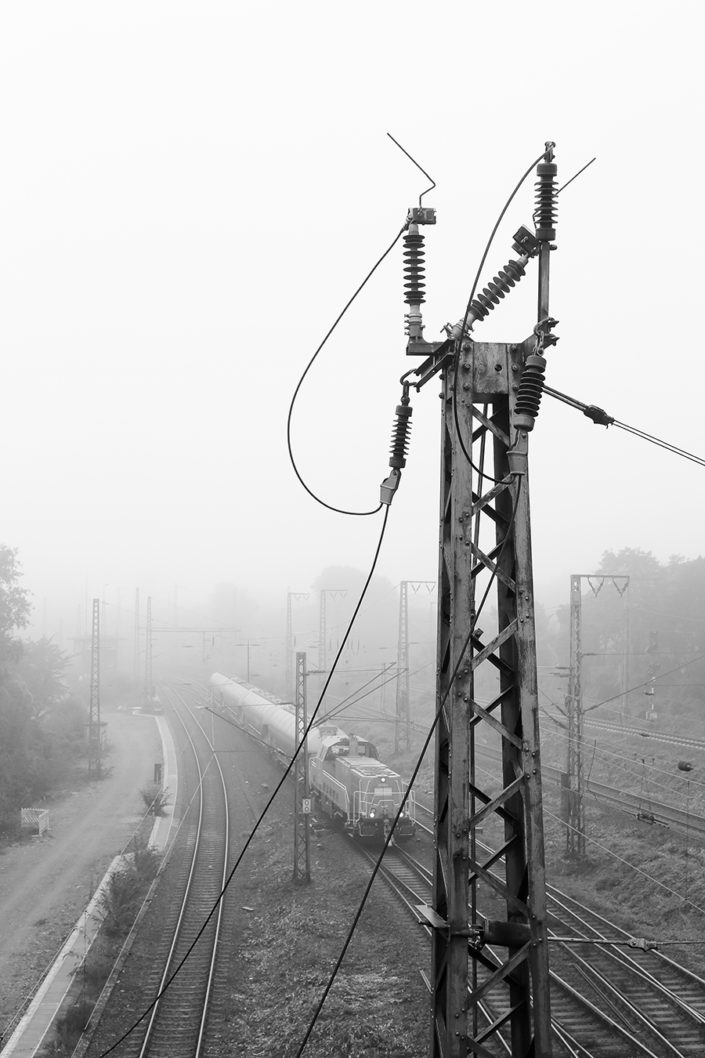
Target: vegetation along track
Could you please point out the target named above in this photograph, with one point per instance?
(176, 1025)
(608, 999)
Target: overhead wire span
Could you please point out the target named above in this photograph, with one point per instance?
(268, 805)
(405, 798)
(601, 418)
(312, 494)
(646, 683)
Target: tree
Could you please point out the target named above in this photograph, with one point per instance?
(14, 604)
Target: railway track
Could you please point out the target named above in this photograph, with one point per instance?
(640, 806)
(176, 1025)
(608, 999)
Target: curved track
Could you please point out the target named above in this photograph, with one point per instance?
(176, 1024)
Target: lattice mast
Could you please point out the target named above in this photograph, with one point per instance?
(148, 678)
(574, 784)
(402, 718)
(95, 747)
(302, 795)
(136, 645)
(323, 624)
(289, 664)
(489, 948)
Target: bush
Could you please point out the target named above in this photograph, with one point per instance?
(120, 901)
(156, 798)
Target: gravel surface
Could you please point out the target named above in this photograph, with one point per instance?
(282, 941)
(45, 883)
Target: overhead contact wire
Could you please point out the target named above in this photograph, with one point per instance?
(312, 494)
(268, 805)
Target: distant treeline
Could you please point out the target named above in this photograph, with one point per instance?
(653, 634)
(42, 729)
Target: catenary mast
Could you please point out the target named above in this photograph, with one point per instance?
(490, 399)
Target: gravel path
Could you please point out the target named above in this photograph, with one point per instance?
(46, 883)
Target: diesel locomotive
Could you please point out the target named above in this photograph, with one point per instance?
(347, 778)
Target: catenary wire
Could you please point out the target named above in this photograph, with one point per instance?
(609, 851)
(405, 798)
(638, 686)
(461, 339)
(329, 506)
(268, 805)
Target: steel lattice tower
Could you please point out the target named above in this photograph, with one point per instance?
(302, 800)
(136, 645)
(402, 722)
(289, 671)
(516, 971)
(148, 681)
(574, 784)
(94, 722)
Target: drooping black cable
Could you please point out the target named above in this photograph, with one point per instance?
(405, 798)
(456, 358)
(330, 507)
(268, 805)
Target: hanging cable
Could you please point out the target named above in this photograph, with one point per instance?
(268, 805)
(329, 506)
(601, 418)
(405, 798)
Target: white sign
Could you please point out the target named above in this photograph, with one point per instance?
(306, 806)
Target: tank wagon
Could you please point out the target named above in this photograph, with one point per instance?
(348, 780)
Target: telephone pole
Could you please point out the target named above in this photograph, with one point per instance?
(302, 796)
(574, 783)
(95, 739)
(490, 399)
(402, 721)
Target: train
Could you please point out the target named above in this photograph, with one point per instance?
(348, 781)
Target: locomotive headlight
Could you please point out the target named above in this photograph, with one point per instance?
(372, 813)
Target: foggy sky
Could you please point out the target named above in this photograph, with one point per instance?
(190, 194)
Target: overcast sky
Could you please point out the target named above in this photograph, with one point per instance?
(190, 193)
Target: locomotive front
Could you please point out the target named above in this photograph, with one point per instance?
(377, 798)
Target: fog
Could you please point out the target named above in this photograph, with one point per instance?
(192, 192)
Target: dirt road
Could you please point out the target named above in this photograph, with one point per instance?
(46, 883)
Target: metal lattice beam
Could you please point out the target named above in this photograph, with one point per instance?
(485, 539)
(94, 724)
(302, 796)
